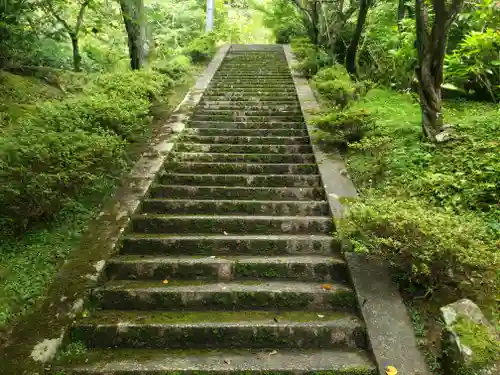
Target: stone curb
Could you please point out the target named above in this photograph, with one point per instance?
(389, 328)
(36, 338)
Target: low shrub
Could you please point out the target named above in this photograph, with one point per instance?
(428, 246)
(41, 168)
(341, 129)
(310, 58)
(202, 48)
(335, 86)
(174, 68)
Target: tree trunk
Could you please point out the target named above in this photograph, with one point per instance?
(431, 49)
(350, 61)
(77, 58)
(132, 12)
(401, 12)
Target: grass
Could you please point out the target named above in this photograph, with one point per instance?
(431, 210)
(29, 263)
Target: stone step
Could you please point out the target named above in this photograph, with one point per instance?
(251, 295)
(244, 140)
(231, 180)
(236, 118)
(274, 132)
(233, 103)
(243, 148)
(241, 106)
(300, 268)
(115, 329)
(239, 97)
(266, 158)
(240, 168)
(236, 192)
(257, 91)
(247, 85)
(238, 207)
(213, 224)
(243, 125)
(219, 362)
(229, 245)
(243, 112)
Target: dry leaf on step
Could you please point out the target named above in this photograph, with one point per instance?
(273, 352)
(165, 281)
(326, 286)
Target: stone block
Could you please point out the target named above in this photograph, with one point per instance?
(471, 345)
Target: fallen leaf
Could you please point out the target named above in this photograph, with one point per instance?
(391, 370)
(276, 320)
(273, 352)
(326, 286)
(212, 256)
(227, 361)
(165, 281)
(320, 316)
(225, 233)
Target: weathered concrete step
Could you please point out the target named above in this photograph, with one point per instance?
(244, 125)
(265, 158)
(251, 295)
(244, 112)
(220, 362)
(265, 103)
(241, 106)
(236, 118)
(159, 330)
(275, 132)
(249, 140)
(301, 268)
(156, 223)
(229, 245)
(259, 80)
(240, 168)
(247, 85)
(243, 149)
(248, 91)
(235, 97)
(236, 192)
(235, 207)
(228, 181)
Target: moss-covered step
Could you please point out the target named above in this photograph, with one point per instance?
(154, 331)
(238, 82)
(236, 192)
(251, 106)
(228, 245)
(217, 362)
(249, 158)
(302, 268)
(244, 180)
(300, 125)
(245, 140)
(235, 207)
(248, 112)
(234, 96)
(244, 148)
(251, 295)
(235, 118)
(240, 168)
(212, 224)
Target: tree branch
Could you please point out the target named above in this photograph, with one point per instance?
(52, 11)
(455, 7)
(79, 20)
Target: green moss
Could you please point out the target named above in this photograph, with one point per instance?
(345, 300)
(482, 341)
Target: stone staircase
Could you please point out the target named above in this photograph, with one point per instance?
(229, 266)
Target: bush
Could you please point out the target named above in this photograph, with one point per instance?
(428, 246)
(202, 48)
(340, 129)
(174, 68)
(41, 168)
(475, 64)
(335, 85)
(310, 57)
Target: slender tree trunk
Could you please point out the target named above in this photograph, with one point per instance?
(431, 49)
(134, 25)
(350, 61)
(77, 58)
(401, 12)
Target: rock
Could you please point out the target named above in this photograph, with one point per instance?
(470, 343)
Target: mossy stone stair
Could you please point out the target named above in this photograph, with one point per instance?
(230, 265)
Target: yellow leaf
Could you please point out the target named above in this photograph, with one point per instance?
(326, 286)
(391, 370)
(165, 281)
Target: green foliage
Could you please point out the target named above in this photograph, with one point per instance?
(175, 68)
(335, 85)
(202, 48)
(428, 245)
(475, 64)
(281, 17)
(310, 58)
